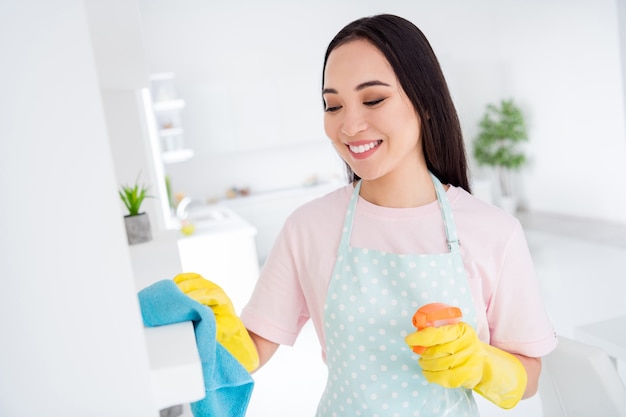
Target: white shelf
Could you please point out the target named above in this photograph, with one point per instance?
(181, 155)
(175, 366)
(174, 131)
(168, 105)
(166, 108)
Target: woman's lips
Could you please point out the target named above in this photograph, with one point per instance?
(363, 149)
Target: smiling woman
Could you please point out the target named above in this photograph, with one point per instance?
(360, 260)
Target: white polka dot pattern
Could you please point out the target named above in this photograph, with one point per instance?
(369, 306)
(367, 317)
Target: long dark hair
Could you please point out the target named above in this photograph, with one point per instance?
(412, 58)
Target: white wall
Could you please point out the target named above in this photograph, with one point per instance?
(621, 15)
(567, 73)
(72, 339)
(261, 64)
(116, 36)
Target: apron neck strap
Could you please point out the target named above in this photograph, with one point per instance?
(444, 205)
(446, 213)
(349, 219)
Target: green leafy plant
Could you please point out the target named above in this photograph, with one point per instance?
(132, 196)
(502, 129)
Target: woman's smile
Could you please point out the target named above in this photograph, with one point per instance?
(363, 149)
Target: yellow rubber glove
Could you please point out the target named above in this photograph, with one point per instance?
(230, 331)
(455, 357)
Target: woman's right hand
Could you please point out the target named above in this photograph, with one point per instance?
(230, 332)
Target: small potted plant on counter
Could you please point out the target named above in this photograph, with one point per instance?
(502, 128)
(137, 223)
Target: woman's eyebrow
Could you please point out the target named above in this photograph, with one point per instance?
(370, 84)
(358, 87)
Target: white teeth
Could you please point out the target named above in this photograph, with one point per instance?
(366, 147)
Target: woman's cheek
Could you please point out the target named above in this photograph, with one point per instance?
(330, 129)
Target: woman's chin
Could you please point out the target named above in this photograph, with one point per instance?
(367, 175)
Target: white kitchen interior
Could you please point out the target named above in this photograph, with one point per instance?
(78, 119)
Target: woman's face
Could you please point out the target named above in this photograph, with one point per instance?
(369, 118)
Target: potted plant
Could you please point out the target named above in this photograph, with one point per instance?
(137, 223)
(502, 129)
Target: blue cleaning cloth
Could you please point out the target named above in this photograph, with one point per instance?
(227, 384)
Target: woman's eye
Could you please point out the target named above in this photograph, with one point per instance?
(373, 102)
(332, 109)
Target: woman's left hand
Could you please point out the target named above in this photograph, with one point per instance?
(455, 357)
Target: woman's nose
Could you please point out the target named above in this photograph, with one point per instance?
(353, 122)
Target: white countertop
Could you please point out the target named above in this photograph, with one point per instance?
(215, 220)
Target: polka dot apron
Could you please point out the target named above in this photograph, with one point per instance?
(367, 314)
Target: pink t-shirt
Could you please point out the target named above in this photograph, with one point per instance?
(293, 283)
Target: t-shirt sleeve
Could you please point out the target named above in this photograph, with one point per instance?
(516, 314)
(277, 309)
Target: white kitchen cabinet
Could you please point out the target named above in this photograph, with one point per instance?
(268, 211)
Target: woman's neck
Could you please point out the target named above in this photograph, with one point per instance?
(400, 192)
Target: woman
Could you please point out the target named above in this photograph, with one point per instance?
(405, 232)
